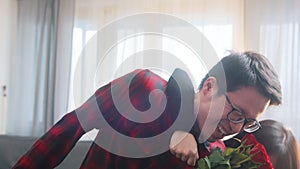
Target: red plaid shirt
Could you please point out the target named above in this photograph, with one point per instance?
(52, 148)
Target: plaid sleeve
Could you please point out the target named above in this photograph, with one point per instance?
(128, 95)
(53, 146)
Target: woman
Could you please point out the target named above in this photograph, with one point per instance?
(280, 143)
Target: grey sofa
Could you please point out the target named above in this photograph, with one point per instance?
(13, 147)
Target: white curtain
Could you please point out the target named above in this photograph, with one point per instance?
(272, 27)
(220, 21)
(39, 78)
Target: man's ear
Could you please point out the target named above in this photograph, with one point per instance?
(210, 86)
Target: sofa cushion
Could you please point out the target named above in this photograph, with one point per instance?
(13, 147)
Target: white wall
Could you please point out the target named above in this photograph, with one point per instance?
(8, 13)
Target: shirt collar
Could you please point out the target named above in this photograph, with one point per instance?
(180, 94)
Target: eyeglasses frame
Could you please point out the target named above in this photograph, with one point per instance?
(246, 120)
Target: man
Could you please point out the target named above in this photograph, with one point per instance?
(230, 98)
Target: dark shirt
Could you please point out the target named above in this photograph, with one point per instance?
(145, 92)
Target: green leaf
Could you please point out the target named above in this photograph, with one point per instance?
(204, 163)
(216, 156)
(228, 151)
(239, 158)
(218, 161)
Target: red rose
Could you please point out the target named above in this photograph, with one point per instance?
(258, 152)
(249, 139)
(260, 156)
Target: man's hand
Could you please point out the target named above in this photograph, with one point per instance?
(184, 146)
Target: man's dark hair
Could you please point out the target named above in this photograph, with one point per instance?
(248, 69)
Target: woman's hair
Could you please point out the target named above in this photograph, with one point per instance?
(280, 144)
(248, 69)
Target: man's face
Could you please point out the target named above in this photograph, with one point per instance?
(213, 110)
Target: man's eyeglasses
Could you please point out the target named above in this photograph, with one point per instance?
(236, 116)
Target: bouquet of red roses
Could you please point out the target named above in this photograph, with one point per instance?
(249, 154)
